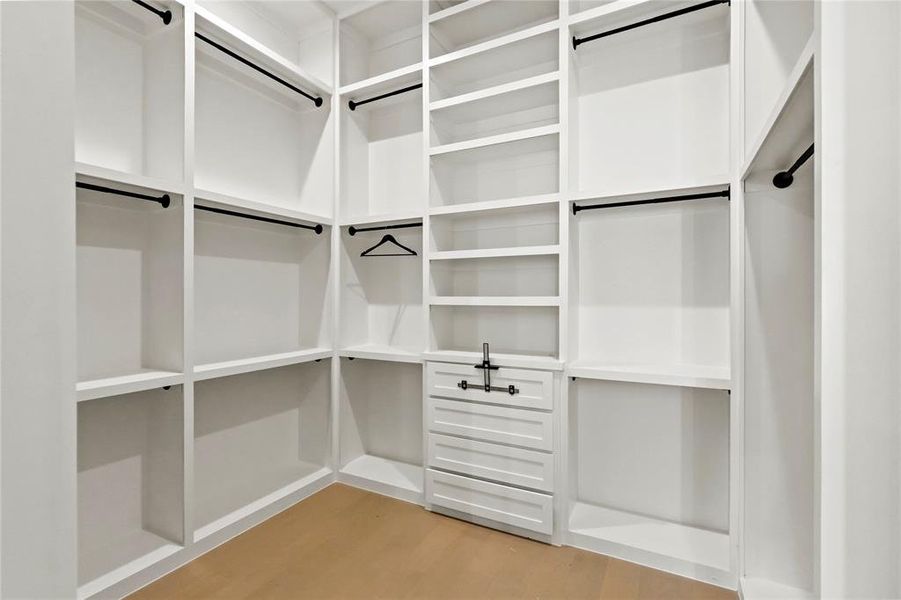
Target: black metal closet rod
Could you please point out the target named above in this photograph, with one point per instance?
(316, 100)
(354, 230)
(783, 179)
(657, 19)
(354, 104)
(719, 194)
(317, 228)
(162, 200)
(165, 15)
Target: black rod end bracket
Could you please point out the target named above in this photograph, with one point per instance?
(783, 179)
(167, 17)
(318, 101)
(576, 209)
(352, 230)
(164, 200)
(318, 229)
(352, 106)
(576, 42)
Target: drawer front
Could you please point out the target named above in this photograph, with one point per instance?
(527, 428)
(511, 506)
(517, 466)
(536, 388)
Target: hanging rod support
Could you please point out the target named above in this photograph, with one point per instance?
(317, 228)
(165, 15)
(161, 200)
(354, 104)
(355, 230)
(676, 13)
(783, 179)
(316, 100)
(720, 194)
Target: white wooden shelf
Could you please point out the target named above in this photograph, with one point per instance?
(88, 171)
(260, 208)
(385, 476)
(496, 252)
(382, 219)
(315, 476)
(494, 301)
(612, 195)
(379, 83)
(252, 49)
(660, 544)
(492, 205)
(621, 12)
(145, 379)
(494, 140)
(381, 352)
(259, 363)
(151, 549)
(456, 9)
(753, 588)
(494, 91)
(794, 106)
(524, 361)
(492, 44)
(696, 376)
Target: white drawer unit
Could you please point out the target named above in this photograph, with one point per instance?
(527, 428)
(534, 389)
(516, 466)
(511, 506)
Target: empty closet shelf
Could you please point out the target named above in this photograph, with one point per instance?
(146, 379)
(384, 82)
(547, 250)
(696, 376)
(455, 9)
(369, 469)
(259, 363)
(634, 537)
(273, 209)
(495, 43)
(92, 173)
(381, 352)
(486, 206)
(495, 301)
(495, 140)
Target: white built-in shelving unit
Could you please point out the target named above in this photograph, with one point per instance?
(257, 336)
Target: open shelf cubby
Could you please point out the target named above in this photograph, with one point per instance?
(258, 437)
(381, 296)
(524, 165)
(650, 292)
(299, 32)
(658, 491)
(501, 61)
(496, 232)
(380, 39)
(381, 152)
(381, 426)
(129, 265)
(472, 23)
(130, 484)
(526, 104)
(516, 330)
(514, 276)
(649, 107)
(255, 138)
(259, 289)
(129, 74)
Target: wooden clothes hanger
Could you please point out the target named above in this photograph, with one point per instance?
(389, 239)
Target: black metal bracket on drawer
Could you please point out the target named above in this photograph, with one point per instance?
(510, 389)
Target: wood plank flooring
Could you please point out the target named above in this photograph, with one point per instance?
(348, 543)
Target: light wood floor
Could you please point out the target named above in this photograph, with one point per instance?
(348, 543)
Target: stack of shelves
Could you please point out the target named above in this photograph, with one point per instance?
(201, 179)
(494, 120)
(649, 294)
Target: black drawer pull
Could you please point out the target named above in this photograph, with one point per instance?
(510, 389)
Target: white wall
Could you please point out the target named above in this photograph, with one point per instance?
(37, 301)
(858, 158)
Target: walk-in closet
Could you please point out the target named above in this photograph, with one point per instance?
(611, 284)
